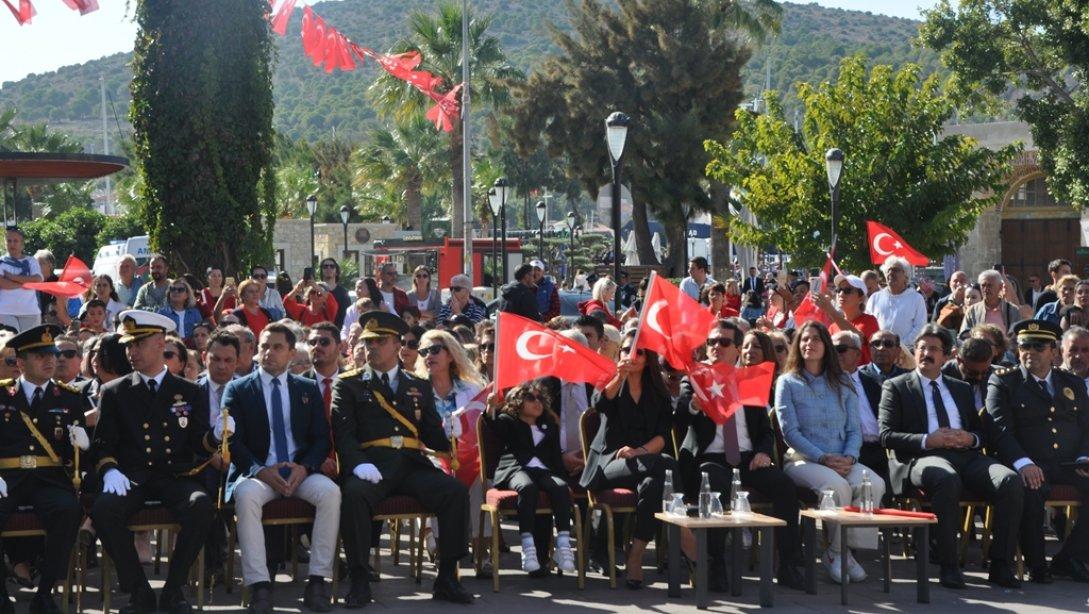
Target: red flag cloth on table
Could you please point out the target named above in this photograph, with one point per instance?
(282, 16)
(24, 13)
(526, 351)
(884, 242)
(672, 324)
(74, 280)
(723, 389)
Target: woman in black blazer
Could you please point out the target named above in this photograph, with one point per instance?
(629, 450)
(530, 462)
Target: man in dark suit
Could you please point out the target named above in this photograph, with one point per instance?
(930, 423)
(325, 347)
(383, 421)
(849, 347)
(745, 443)
(884, 352)
(973, 365)
(278, 447)
(1041, 419)
(42, 425)
(753, 283)
(152, 439)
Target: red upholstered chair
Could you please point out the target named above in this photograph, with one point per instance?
(24, 523)
(611, 500)
(498, 503)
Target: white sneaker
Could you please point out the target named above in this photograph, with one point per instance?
(530, 563)
(565, 559)
(831, 562)
(854, 569)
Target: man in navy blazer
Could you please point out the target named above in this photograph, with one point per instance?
(281, 439)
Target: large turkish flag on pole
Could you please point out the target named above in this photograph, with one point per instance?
(672, 324)
(884, 242)
(526, 351)
(723, 389)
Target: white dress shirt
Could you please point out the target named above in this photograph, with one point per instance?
(744, 444)
(214, 399)
(28, 390)
(158, 379)
(870, 429)
(392, 375)
(285, 402)
(947, 399)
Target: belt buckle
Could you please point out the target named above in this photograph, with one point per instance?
(397, 442)
(27, 461)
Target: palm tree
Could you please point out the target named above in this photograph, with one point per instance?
(404, 159)
(438, 39)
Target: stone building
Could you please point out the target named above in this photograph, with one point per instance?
(291, 242)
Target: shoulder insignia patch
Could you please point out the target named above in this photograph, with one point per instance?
(7, 382)
(67, 387)
(351, 373)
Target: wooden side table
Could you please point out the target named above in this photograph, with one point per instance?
(885, 523)
(735, 523)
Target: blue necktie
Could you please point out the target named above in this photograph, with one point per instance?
(279, 431)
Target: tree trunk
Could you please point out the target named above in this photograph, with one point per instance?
(457, 214)
(676, 234)
(641, 228)
(414, 205)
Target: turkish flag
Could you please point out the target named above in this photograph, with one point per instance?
(447, 110)
(24, 13)
(468, 447)
(672, 324)
(74, 280)
(723, 389)
(807, 310)
(282, 16)
(884, 242)
(83, 6)
(526, 351)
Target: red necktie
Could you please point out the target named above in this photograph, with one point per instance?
(327, 397)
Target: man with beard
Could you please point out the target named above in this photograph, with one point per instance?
(152, 295)
(1076, 353)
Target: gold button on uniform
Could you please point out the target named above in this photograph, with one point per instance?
(168, 450)
(1054, 430)
(148, 450)
(1055, 445)
(147, 437)
(166, 438)
(146, 425)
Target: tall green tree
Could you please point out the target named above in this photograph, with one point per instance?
(665, 64)
(1039, 48)
(407, 157)
(202, 115)
(438, 39)
(899, 170)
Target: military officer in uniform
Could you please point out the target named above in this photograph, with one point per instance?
(41, 422)
(1041, 418)
(152, 439)
(383, 419)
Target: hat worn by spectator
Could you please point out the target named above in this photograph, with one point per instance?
(1039, 330)
(137, 324)
(537, 264)
(854, 280)
(377, 324)
(461, 281)
(39, 340)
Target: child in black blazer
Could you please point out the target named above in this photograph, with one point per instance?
(531, 461)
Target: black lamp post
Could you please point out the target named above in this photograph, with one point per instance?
(833, 164)
(572, 224)
(502, 190)
(345, 215)
(312, 207)
(542, 210)
(494, 205)
(616, 134)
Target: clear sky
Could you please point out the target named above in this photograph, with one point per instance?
(59, 36)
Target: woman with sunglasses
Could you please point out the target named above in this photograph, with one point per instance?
(485, 346)
(181, 306)
(175, 355)
(423, 296)
(531, 462)
(410, 347)
(817, 408)
(320, 306)
(250, 313)
(629, 449)
(849, 312)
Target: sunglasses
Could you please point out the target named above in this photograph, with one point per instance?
(259, 276)
(178, 289)
(722, 342)
(329, 265)
(412, 344)
(1035, 346)
(885, 344)
(842, 349)
(627, 350)
(531, 397)
(456, 288)
(10, 362)
(431, 349)
(847, 290)
(69, 353)
(490, 347)
(422, 276)
(322, 341)
(169, 355)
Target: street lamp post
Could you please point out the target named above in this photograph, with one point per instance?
(502, 190)
(312, 207)
(616, 134)
(833, 164)
(542, 210)
(494, 205)
(572, 223)
(345, 215)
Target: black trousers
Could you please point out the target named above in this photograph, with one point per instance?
(646, 475)
(437, 492)
(1076, 544)
(58, 510)
(770, 482)
(876, 458)
(528, 483)
(945, 475)
(192, 508)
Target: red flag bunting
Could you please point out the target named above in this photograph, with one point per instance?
(74, 280)
(24, 13)
(723, 389)
(447, 111)
(282, 16)
(884, 242)
(672, 324)
(526, 350)
(83, 6)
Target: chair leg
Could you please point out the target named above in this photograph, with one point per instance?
(105, 564)
(67, 591)
(228, 582)
(293, 543)
(395, 541)
(580, 551)
(420, 544)
(611, 538)
(966, 531)
(985, 542)
(495, 549)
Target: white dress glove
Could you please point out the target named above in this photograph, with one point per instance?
(452, 426)
(368, 473)
(217, 430)
(115, 482)
(78, 436)
(3, 488)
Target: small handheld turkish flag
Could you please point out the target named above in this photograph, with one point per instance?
(672, 324)
(526, 350)
(723, 389)
(74, 280)
(884, 242)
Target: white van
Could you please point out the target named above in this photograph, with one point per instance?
(109, 256)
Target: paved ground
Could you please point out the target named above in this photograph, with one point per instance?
(521, 594)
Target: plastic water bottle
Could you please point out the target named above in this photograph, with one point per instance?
(867, 493)
(735, 485)
(667, 491)
(705, 496)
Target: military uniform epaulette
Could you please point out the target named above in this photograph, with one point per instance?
(1006, 370)
(350, 373)
(67, 387)
(4, 383)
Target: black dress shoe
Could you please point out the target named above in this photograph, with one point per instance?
(1040, 575)
(449, 589)
(790, 577)
(951, 577)
(359, 594)
(174, 602)
(260, 599)
(142, 601)
(1070, 568)
(43, 604)
(1001, 575)
(373, 575)
(316, 597)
